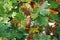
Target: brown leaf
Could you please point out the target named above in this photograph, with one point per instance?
(40, 3)
(32, 4)
(15, 22)
(58, 1)
(54, 11)
(27, 12)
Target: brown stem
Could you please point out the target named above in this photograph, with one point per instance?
(29, 36)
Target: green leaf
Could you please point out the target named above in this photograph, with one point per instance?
(41, 9)
(37, 0)
(13, 14)
(53, 4)
(1, 9)
(34, 16)
(14, 1)
(44, 12)
(20, 16)
(25, 0)
(55, 38)
(54, 17)
(58, 28)
(8, 35)
(42, 20)
(44, 5)
(3, 27)
(44, 37)
(36, 36)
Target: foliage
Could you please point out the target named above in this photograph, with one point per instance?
(23, 19)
